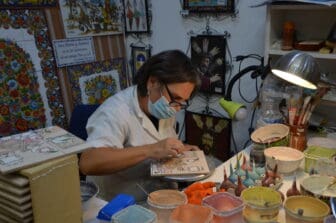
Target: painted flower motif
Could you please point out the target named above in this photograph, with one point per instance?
(12, 84)
(15, 65)
(23, 79)
(21, 125)
(14, 93)
(33, 105)
(105, 93)
(4, 110)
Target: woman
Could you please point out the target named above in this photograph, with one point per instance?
(137, 125)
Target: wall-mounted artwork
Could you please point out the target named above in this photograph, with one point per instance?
(91, 18)
(29, 86)
(211, 134)
(136, 16)
(27, 3)
(208, 55)
(139, 57)
(93, 83)
(212, 6)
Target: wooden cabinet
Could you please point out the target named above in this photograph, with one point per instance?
(312, 22)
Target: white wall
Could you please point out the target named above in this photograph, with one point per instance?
(170, 31)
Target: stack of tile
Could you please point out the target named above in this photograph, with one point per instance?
(15, 199)
(45, 193)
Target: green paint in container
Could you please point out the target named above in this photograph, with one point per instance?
(134, 213)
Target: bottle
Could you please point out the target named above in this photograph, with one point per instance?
(288, 36)
(271, 94)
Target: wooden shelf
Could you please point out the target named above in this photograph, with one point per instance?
(331, 56)
(302, 7)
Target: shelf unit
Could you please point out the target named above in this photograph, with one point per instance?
(312, 22)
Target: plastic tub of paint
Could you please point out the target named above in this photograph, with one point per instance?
(262, 204)
(134, 213)
(305, 209)
(191, 213)
(163, 202)
(226, 207)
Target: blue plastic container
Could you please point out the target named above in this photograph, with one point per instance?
(134, 213)
(118, 203)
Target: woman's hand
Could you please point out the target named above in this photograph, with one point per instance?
(166, 148)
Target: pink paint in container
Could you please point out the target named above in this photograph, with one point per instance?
(226, 207)
(191, 213)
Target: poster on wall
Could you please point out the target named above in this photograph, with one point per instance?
(139, 56)
(74, 51)
(210, 133)
(208, 55)
(29, 86)
(93, 83)
(136, 16)
(91, 18)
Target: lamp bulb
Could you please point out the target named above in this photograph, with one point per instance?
(241, 114)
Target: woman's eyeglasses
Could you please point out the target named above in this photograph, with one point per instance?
(174, 103)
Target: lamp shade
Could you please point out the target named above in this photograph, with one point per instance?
(298, 68)
(235, 110)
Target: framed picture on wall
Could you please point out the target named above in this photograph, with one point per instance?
(27, 3)
(136, 16)
(139, 56)
(210, 133)
(93, 83)
(214, 6)
(208, 56)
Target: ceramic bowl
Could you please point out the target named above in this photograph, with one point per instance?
(305, 209)
(287, 158)
(322, 187)
(88, 190)
(270, 135)
(262, 204)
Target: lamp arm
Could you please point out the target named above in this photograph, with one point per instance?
(236, 77)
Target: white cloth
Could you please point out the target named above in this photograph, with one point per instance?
(119, 122)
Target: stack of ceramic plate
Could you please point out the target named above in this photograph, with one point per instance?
(15, 199)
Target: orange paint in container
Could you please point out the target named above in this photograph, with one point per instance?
(226, 207)
(191, 213)
(163, 202)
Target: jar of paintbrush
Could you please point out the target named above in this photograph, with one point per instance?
(297, 124)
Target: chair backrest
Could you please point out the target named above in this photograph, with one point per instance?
(79, 118)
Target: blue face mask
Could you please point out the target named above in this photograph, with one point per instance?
(161, 109)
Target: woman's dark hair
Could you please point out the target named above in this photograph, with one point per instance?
(171, 66)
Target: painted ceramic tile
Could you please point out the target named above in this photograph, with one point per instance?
(29, 86)
(32, 147)
(189, 162)
(91, 18)
(93, 83)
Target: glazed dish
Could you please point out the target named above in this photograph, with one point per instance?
(287, 158)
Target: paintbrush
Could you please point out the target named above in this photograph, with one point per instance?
(304, 109)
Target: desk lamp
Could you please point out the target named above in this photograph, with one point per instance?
(236, 111)
(298, 68)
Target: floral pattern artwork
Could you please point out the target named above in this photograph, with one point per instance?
(29, 87)
(27, 3)
(91, 18)
(93, 83)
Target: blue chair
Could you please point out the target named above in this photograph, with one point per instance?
(77, 125)
(79, 118)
